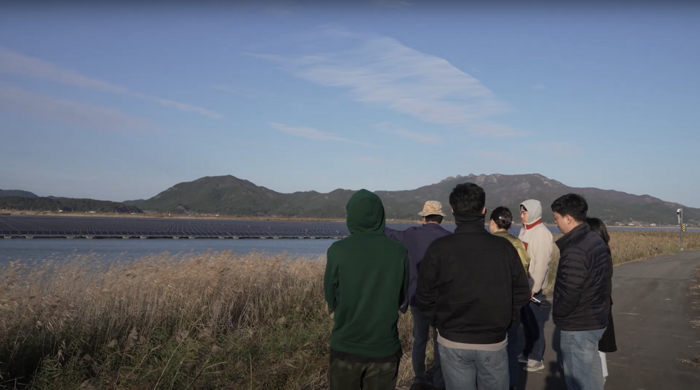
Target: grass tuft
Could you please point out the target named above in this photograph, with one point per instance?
(216, 320)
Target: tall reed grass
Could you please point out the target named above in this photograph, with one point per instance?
(216, 320)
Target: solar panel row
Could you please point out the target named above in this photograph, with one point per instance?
(45, 226)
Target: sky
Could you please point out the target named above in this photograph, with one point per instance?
(122, 102)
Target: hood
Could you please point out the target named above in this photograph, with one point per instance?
(365, 213)
(534, 210)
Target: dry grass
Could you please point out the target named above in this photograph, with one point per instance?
(216, 320)
(630, 246)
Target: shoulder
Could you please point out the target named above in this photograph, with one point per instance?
(542, 231)
(392, 245)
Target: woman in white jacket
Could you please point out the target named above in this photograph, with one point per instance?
(538, 241)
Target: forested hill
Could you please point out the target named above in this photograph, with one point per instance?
(228, 195)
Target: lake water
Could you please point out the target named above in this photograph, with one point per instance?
(110, 249)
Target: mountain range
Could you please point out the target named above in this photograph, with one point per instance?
(228, 195)
(24, 200)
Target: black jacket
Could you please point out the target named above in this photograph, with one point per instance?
(471, 285)
(583, 280)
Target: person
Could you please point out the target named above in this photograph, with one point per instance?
(539, 242)
(471, 284)
(501, 220)
(607, 343)
(581, 294)
(365, 282)
(416, 239)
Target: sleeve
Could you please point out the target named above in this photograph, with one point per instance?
(541, 257)
(397, 235)
(331, 282)
(403, 298)
(524, 257)
(571, 275)
(520, 284)
(426, 289)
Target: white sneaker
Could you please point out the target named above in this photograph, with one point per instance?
(522, 359)
(533, 366)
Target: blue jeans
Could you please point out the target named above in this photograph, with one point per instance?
(582, 367)
(513, 352)
(534, 318)
(421, 332)
(466, 369)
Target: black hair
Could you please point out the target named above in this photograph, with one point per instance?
(598, 227)
(467, 199)
(433, 218)
(502, 217)
(572, 205)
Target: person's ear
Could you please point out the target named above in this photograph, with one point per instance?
(483, 211)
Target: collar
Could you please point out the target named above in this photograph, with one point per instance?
(532, 225)
(569, 237)
(471, 228)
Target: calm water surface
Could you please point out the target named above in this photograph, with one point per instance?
(112, 249)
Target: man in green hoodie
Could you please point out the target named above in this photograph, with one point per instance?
(365, 282)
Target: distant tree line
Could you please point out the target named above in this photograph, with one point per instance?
(65, 204)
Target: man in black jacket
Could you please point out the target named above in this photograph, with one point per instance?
(471, 285)
(580, 294)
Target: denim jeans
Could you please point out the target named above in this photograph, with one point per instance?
(421, 332)
(534, 318)
(466, 369)
(513, 352)
(583, 369)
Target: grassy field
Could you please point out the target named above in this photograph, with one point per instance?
(212, 321)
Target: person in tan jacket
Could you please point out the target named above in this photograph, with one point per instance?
(538, 241)
(501, 220)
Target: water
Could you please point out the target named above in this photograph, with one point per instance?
(112, 249)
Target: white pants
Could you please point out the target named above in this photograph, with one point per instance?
(605, 364)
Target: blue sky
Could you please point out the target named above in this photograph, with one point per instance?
(121, 102)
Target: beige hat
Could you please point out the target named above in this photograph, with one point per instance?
(432, 207)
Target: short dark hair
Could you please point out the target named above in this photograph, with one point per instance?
(572, 205)
(467, 199)
(502, 217)
(433, 218)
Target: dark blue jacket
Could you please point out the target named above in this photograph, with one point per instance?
(417, 239)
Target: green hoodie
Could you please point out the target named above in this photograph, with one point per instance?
(365, 282)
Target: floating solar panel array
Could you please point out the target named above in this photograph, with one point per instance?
(107, 227)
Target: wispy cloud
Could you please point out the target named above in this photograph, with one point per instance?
(380, 71)
(371, 161)
(15, 63)
(386, 127)
(539, 86)
(311, 133)
(72, 113)
(307, 132)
